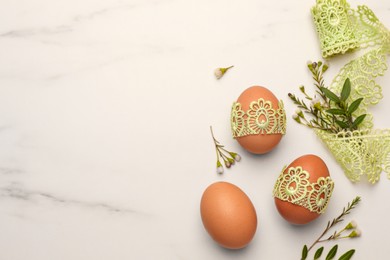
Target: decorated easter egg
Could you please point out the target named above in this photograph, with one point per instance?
(258, 120)
(228, 215)
(303, 190)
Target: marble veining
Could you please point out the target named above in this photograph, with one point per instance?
(15, 191)
(105, 109)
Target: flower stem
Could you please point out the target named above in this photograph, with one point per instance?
(215, 143)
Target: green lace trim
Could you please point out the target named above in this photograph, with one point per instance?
(261, 118)
(361, 152)
(362, 73)
(294, 187)
(342, 29)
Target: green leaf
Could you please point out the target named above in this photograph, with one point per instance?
(329, 94)
(355, 104)
(358, 121)
(304, 252)
(318, 253)
(347, 255)
(346, 90)
(332, 253)
(342, 124)
(335, 111)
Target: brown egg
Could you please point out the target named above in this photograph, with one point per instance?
(259, 143)
(228, 215)
(296, 213)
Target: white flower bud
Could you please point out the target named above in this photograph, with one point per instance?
(355, 233)
(351, 225)
(218, 73)
(228, 164)
(221, 71)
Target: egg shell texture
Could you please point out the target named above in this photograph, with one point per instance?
(260, 143)
(228, 215)
(296, 214)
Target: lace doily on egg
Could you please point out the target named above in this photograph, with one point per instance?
(294, 186)
(261, 118)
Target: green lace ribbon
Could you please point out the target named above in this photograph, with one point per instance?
(261, 118)
(360, 152)
(294, 186)
(342, 29)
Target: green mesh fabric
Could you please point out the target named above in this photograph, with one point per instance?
(342, 29)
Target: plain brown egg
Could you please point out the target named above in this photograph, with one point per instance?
(260, 143)
(296, 214)
(228, 215)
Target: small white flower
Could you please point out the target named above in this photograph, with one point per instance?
(227, 164)
(220, 170)
(351, 225)
(315, 102)
(295, 116)
(358, 232)
(355, 233)
(237, 158)
(219, 72)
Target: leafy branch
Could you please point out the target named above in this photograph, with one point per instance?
(332, 253)
(336, 235)
(327, 111)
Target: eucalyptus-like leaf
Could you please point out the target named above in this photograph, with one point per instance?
(342, 124)
(318, 253)
(332, 253)
(346, 90)
(347, 255)
(358, 120)
(335, 111)
(355, 104)
(329, 94)
(304, 252)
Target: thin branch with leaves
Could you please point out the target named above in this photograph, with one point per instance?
(327, 111)
(336, 235)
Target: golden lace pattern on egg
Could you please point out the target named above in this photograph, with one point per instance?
(261, 118)
(294, 187)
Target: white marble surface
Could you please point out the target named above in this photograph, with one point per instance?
(105, 108)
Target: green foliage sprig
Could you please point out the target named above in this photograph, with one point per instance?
(336, 235)
(327, 111)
